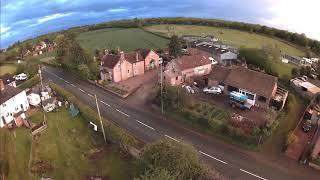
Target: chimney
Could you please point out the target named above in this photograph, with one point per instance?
(1, 85)
(106, 51)
(137, 56)
(121, 55)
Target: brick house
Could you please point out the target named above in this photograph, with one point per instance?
(261, 89)
(183, 69)
(126, 65)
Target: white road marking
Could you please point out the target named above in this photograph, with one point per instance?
(105, 103)
(145, 125)
(66, 81)
(171, 138)
(90, 95)
(212, 157)
(81, 90)
(253, 174)
(73, 85)
(122, 113)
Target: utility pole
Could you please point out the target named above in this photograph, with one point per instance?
(40, 75)
(104, 135)
(161, 62)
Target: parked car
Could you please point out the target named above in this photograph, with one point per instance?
(21, 77)
(213, 61)
(302, 79)
(307, 126)
(212, 90)
(188, 89)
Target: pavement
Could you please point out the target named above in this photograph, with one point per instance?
(149, 125)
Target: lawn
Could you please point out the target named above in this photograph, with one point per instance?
(126, 39)
(65, 145)
(284, 70)
(228, 36)
(7, 68)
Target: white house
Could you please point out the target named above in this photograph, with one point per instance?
(13, 104)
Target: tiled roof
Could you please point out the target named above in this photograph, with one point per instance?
(196, 58)
(8, 93)
(110, 60)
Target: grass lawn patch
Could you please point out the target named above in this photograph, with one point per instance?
(7, 68)
(284, 70)
(49, 60)
(228, 36)
(67, 147)
(47, 54)
(126, 39)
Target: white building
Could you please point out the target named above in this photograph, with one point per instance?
(13, 104)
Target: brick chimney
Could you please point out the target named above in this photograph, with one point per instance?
(1, 85)
(137, 56)
(121, 55)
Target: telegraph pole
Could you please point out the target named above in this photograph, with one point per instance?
(161, 62)
(40, 75)
(104, 135)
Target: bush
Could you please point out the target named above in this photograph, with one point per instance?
(30, 82)
(113, 132)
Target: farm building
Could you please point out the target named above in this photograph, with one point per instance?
(221, 55)
(126, 65)
(261, 89)
(183, 69)
(13, 104)
(294, 60)
(305, 88)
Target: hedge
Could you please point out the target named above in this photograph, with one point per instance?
(30, 82)
(113, 133)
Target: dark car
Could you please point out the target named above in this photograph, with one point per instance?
(307, 126)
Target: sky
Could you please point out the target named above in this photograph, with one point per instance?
(24, 19)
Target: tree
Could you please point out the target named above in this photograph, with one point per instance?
(175, 46)
(156, 174)
(83, 71)
(175, 157)
(295, 72)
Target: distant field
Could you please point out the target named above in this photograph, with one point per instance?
(228, 36)
(126, 39)
(7, 68)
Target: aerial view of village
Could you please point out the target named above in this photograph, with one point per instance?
(159, 90)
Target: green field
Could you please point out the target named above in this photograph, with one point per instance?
(7, 68)
(228, 36)
(126, 39)
(66, 146)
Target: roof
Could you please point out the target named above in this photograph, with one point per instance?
(7, 78)
(213, 49)
(254, 81)
(196, 58)
(48, 101)
(8, 93)
(310, 87)
(219, 73)
(110, 60)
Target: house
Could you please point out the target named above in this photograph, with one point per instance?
(49, 104)
(8, 79)
(221, 55)
(183, 69)
(126, 65)
(13, 104)
(261, 89)
(285, 58)
(305, 88)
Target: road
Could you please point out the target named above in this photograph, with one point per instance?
(148, 126)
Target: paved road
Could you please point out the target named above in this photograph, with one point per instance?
(149, 126)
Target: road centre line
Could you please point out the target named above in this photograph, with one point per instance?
(73, 85)
(171, 138)
(145, 125)
(253, 174)
(212, 157)
(81, 90)
(90, 95)
(122, 113)
(105, 103)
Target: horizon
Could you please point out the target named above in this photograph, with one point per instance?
(48, 17)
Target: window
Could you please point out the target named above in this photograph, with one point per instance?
(177, 78)
(250, 96)
(3, 120)
(128, 71)
(262, 99)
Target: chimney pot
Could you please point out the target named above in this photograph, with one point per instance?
(1, 85)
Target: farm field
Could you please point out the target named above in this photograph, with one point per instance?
(7, 68)
(228, 36)
(67, 149)
(126, 39)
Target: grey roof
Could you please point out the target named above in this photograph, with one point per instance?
(8, 93)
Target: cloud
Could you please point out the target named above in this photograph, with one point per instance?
(53, 16)
(117, 10)
(4, 29)
(295, 15)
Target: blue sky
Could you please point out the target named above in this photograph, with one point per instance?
(22, 19)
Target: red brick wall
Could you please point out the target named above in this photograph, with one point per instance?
(151, 56)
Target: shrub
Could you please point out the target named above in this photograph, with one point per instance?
(30, 82)
(113, 132)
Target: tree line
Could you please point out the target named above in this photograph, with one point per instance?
(294, 38)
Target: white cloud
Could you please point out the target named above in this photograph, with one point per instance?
(117, 10)
(4, 29)
(295, 15)
(52, 16)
